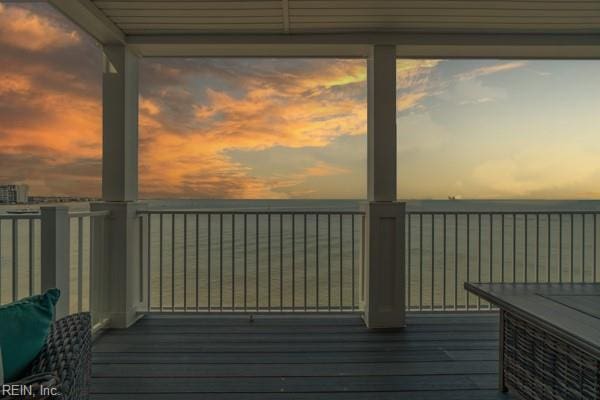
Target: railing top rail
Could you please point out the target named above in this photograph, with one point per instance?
(20, 216)
(76, 214)
(254, 211)
(517, 212)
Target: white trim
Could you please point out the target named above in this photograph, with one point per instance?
(85, 14)
(286, 15)
(530, 46)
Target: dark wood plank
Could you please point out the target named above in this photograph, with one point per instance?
(470, 394)
(246, 327)
(294, 370)
(292, 384)
(296, 347)
(290, 338)
(296, 358)
(438, 356)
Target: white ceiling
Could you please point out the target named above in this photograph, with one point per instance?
(138, 17)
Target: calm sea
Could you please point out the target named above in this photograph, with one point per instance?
(211, 262)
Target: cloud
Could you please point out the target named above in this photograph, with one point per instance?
(322, 168)
(307, 108)
(25, 29)
(409, 100)
(490, 69)
(547, 171)
(49, 103)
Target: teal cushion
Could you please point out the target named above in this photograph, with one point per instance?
(24, 326)
(1, 369)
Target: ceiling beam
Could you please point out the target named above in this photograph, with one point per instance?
(286, 15)
(415, 45)
(89, 18)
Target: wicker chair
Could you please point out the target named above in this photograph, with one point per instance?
(64, 362)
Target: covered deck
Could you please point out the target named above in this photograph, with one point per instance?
(437, 356)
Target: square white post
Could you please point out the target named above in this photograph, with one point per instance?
(120, 183)
(55, 255)
(120, 124)
(383, 272)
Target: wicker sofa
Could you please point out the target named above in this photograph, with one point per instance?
(65, 361)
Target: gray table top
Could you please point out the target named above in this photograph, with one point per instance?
(568, 310)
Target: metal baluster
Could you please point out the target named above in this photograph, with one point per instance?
(583, 247)
(560, 245)
(317, 259)
(269, 259)
(491, 273)
(15, 258)
(185, 263)
(353, 269)
(572, 247)
(595, 249)
(160, 263)
(149, 255)
(79, 263)
(257, 261)
(491, 252)
(514, 252)
(502, 251)
(455, 261)
(362, 245)
(468, 256)
(328, 262)
(548, 245)
(409, 285)
(172, 262)
(525, 262)
(232, 262)
(432, 262)
(305, 267)
(221, 262)
(91, 253)
(245, 262)
(421, 262)
(31, 254)
(293, 262)
(537, 249)
(444, 280)
(209, 261)
(281, 262)
(479, 257)
(341, 266)
(141, 254)
(197, 260)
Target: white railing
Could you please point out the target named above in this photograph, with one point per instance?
(19, 256)
(251, 261)
(69, 246)
(446, 249)
(90, 277)
(292, 261)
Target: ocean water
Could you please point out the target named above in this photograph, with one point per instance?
(299, 261)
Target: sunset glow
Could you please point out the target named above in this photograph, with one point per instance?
(294, 128)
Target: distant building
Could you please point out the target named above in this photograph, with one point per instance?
(14, 194)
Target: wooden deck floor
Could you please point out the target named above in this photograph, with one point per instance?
(442, 356)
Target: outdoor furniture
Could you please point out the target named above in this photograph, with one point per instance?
(549, 339)
(65, 361)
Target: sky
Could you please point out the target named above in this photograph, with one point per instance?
(294, 128)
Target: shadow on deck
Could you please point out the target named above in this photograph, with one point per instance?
(438, 356)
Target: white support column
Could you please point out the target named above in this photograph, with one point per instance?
(120, 183)
(120, 124)
(383, 277)
(55, 255)
(122, 294)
